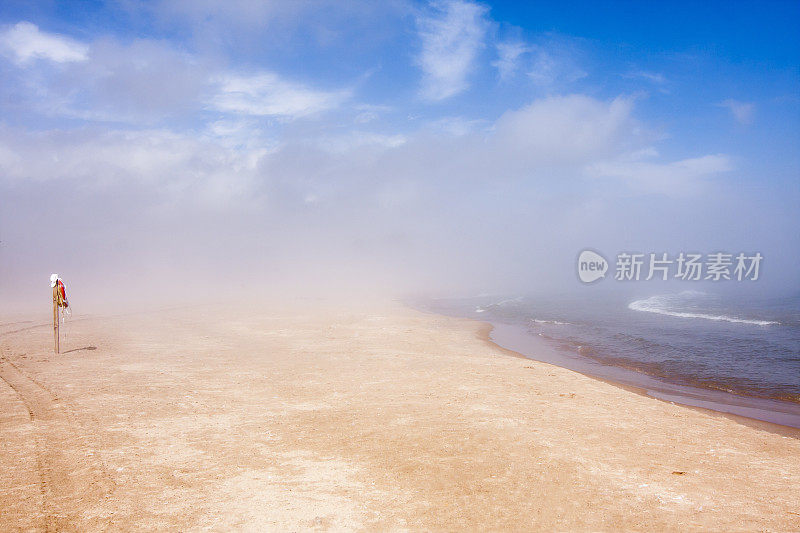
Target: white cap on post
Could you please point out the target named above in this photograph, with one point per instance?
(53, 279)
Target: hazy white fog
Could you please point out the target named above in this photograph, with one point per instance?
(151, 168)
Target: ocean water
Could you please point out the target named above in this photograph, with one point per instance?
(746, 347)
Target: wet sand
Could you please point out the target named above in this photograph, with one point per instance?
(746, 409)
(364, 417)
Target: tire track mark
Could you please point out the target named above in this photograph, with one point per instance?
(6, 333)
(74, 480)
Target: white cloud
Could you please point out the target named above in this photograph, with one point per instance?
(553, 65)
(453, 127)
(508, 55)
(239, 12)
(743, 112)
(259, 28)
(675, 178)
(25, 42)
(360, 140)
(148, 82)
(367, 113)
(266, 94)
(570, 128)
(170, 165)
(141, 82)
(451, 39)
(548, 141)
(243, 15)
(654, 77)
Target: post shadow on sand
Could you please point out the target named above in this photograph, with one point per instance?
(79, 349)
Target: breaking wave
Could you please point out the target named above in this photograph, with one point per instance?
(665, 305)
(553, 322)
(501, 303)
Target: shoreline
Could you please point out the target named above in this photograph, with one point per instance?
(485, 334)
(517, 341)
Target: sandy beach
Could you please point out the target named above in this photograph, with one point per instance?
(368, 417)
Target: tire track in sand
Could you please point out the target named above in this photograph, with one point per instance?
(73, 479)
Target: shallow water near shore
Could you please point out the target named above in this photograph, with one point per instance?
(699, 349)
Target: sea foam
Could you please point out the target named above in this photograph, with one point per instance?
(661, 305)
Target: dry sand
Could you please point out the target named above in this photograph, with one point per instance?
(377, 418)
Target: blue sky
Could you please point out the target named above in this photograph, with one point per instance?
(370, 137)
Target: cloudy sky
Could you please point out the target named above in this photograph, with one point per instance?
(396, 146)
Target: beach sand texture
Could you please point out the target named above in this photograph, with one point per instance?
(362, 417)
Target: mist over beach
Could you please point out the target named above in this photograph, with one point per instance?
(407, 265)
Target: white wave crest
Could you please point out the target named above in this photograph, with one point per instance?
(660, 305)
(501, 303)
(554, 322)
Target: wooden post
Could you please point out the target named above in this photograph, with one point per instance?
(55, 317)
